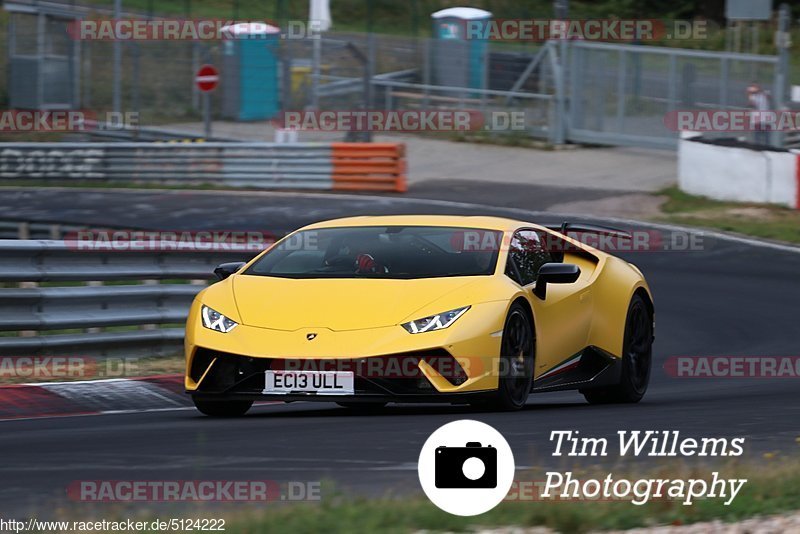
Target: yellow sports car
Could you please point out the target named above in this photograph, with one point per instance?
(471, 310)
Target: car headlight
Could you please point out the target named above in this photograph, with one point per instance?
(216, 321)
(440, 321)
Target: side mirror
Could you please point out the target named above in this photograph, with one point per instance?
(224, 270)
(555, 273)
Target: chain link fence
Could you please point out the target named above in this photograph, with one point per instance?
(621, 94)
(575, 91)
(157, 79)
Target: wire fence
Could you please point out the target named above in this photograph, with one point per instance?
(577, 91)
(622, 94)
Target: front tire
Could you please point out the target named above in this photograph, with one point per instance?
(637, 359)
(222, 408)
(517, 354)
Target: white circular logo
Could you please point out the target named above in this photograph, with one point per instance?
(466, 467)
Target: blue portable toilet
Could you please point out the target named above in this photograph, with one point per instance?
(459, 58)
(250, 70)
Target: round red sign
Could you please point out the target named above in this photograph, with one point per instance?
(207, 78)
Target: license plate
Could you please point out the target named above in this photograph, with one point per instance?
(321, 382)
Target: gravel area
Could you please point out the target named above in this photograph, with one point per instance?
(777, 524)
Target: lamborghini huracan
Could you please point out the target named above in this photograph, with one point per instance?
(365, 311)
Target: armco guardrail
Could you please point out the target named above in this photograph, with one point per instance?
(33, 314)
(369, 166)
(32, 230)
(326, 166)
(98, 131)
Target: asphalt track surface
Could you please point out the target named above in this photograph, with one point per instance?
(731, 298)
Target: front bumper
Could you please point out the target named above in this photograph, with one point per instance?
(447, 398)
(235, 363)
(423, 376)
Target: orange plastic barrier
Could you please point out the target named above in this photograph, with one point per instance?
(369, 167)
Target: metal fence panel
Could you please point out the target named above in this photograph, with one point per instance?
(620, 94)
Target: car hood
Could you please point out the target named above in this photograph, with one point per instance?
(336, 304)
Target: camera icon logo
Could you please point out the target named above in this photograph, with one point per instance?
(472, 466)
(466, 467)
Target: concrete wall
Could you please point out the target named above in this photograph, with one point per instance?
(738, 173)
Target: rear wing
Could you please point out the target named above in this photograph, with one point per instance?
(580, 228)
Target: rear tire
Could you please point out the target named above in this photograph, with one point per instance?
(222, 408)
(517, 354)
(637, 359)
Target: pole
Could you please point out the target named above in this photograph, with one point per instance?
(369, 72)
(207, 114)
(41, 28)
(365, 61)
(136, 94)
(558, 137)
(317, 58)
(561, 8)
(415, 18)
(116, 98)
(280, 13)
(783, 41)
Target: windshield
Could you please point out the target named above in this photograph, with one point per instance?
(394, 252)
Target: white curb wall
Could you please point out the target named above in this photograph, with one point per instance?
(738, 174)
